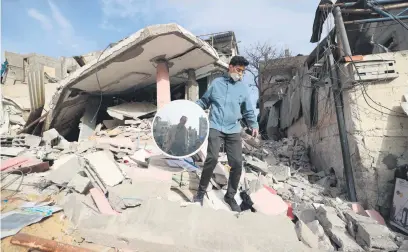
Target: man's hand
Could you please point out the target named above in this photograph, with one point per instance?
(255, 132)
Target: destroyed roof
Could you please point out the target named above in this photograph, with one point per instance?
(130, 65)
(131, 62)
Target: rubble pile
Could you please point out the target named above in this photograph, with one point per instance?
(324, 219)
(12, 117)
(116, 179)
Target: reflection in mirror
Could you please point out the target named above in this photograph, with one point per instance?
(180, 128)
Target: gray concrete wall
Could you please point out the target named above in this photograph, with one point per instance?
(15, 72)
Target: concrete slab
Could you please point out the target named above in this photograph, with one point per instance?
(80, 184)
(131, 110)
(306, 235)
(78, 207)
(343, 240)
(328, 218)
(375, 236)
(88, 120)
(65, 169)
(101, 202)
(160, 225)
(11, 151)
(258, 166)
(105, 167)
(26, 140)
(280, 172)
(51, 136)
(128, 66)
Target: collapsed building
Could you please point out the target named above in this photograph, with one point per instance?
(125, 71)
(107, 177)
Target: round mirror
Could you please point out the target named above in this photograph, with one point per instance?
(180, 128)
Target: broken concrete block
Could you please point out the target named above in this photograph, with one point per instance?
(140, 157)
(316, 228)
(151, 227)
(125, 195)
(258, 166)
(375, 236)
(268, 203)
(109, 124)
(376, 216)
(357, 218)
(131, 110)
(280, 172)
(78, 207)
(343, 240)
(306, 235)
(258, 183)
(101, 202)
(271, 160)
(11, 151)
(65, 169)
(51, 137)
(306, 214)
(404, 246)
(105, 167)
(357, 208)
(80, 184)
(328, 218)
(26, 140)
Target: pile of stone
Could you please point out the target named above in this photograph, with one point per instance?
(325, 220)
(117, 180)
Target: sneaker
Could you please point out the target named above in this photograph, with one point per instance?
(199, 198)
(232, 204)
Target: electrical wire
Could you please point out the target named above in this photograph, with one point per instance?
(99, 84)
(398, 114)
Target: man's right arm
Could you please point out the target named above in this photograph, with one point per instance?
(205, 101)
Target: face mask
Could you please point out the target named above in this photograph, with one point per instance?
(235, 76)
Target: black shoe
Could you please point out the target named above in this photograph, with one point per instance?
(199, 197)
(232, 203)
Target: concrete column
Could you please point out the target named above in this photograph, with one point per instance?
(163, 84)
(192, 86)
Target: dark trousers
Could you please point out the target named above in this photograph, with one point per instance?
(233, 146)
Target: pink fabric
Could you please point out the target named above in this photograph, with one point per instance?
(24, 164)
(14, 162)
(268, 203)
(376, 216)
(163, 85)
(101, 202)
(271, 190)
(290, 211)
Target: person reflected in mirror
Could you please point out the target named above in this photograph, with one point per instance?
(229, 101)
(177, 139)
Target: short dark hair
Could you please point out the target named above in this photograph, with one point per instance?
(239, 61)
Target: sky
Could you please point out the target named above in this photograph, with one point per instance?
(176, 109)
(73, 27)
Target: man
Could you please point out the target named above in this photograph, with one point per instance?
(229, 101)
(177, 139)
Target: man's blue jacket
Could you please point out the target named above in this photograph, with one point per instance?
(229, 102)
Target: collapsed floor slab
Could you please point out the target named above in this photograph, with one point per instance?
(161, 225)
(131, 65)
